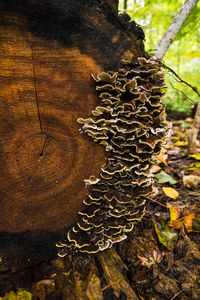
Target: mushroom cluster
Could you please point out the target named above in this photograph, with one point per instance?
(130, 123)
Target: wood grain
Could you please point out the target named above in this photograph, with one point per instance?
(48, 51)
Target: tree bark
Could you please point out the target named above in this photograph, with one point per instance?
(48, 51)
(193, 133)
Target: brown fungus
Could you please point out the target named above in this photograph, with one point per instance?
(130, 123)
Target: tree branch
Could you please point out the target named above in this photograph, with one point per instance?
(182, 93)
(174, 28)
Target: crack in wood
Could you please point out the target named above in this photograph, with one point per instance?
(36, 99)
(45, 141)
(35, 90)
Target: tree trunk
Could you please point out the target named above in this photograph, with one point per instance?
(193, 133)
(49, 49)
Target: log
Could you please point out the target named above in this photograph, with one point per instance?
(48, 51)
(98, 277)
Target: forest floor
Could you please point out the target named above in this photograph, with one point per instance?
(162, 254)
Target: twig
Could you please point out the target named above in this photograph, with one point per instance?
(179, 78)
(182, 93)
(176, 295)
(116, 282)
(155, 201)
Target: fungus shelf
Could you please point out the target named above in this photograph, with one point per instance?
(130, 123)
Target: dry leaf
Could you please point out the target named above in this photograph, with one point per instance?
(196, 224)
(166, 235)
(144, 260)
(187, 221)
(162, 157)
(151, 258)
(170, 192)
(176, 224)
(196, 172)
(195, 156)
(155, 169)
(191, 180)
(181, 143)
(174, 212)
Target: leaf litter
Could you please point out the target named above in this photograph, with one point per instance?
(166, 244)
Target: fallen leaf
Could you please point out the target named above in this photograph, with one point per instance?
(195, 156)
(194, 166)
(181, 143)
(144, 260)
(196, 172)
(170, 192)
(177, 128)
(155, 169)
(167, 236)
(151, 258)
(174, 212)
(163, 177)
(187, 221)
(177, 138)
(176, 224)
(196, 224)
(191, 180)
(162, 157)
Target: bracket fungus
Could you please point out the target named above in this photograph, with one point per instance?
(130, 123)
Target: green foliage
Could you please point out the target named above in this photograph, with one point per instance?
(183, 56)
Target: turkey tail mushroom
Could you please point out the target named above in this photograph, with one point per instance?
(130, 123)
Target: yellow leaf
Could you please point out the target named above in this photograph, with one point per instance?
(162, 158)
(176, 224)
(187, 221)
(170, 192)
(181, 143)
(174, 212)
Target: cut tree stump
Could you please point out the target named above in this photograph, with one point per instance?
(48, 51)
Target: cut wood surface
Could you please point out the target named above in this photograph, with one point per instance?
(48, 50)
